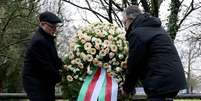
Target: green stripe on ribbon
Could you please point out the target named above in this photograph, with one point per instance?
(85, 85)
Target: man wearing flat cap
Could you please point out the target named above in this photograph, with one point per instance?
(41, 63)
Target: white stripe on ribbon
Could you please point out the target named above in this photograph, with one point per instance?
(98, 86)
(114, 90)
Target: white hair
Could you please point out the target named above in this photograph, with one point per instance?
(132, 11)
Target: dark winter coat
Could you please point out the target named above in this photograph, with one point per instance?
(41, 67)
(153, 58)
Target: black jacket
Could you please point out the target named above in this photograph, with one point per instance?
(41, 60)
(153, 58)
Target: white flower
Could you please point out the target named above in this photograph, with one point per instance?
(97, 46)
(81, 65)
(77, 60)
(121, 56)
(89, 57)
(89, 71)
(123, 65)
(100, 34)
(102, 53)
(69, 78)
(119, 43)
(93, 39)
(106, 43)
(87, 38)
(81, 79)
(113, 48)
(65, 67)
(83, 41)
(118, 69)
(93, 51)
(110, 37)
(71, 55)
(78, 53)
(111, 55)
(75, 77)
(73, 62)
(106, 65)
(114, 59)
(98, 41)
(95, 61)
(107, 50)
(87, 46)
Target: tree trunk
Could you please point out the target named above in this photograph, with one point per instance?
(173, 18)
(1, 86)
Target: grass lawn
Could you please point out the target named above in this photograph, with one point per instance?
(187, 100)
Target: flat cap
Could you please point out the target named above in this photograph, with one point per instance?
(49, 17)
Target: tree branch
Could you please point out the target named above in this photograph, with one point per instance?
(110, 11)
(10, 44)
(86, 9)
(116, 5)
(94, 13)
(145, 5)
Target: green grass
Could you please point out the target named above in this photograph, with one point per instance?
(187, 100)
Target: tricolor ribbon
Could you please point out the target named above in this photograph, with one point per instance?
(99, 86)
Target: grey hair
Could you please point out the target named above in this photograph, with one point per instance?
(132, 11)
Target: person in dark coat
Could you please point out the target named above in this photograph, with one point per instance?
(152, 58)
(42, 64)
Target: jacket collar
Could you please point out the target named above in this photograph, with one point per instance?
(45, 34)
(143, 20)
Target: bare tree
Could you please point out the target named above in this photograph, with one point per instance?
(189, 56)
(151, 6)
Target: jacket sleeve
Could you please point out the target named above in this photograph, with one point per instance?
(42, 56)
(137, 50)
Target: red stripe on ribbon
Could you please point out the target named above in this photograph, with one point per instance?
(108, 91)
(92, 85)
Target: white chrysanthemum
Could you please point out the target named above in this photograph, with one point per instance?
(75, 77)
(100, 34)
(89, 71)
(113, 48)
(106, 65)
(80, 65)
(93, 51)
(98, 41)
(77, 60)
(119, 43)
(89, 57)
(102, 53)
(87, 46)
(83, 41)
(106, 43)
(118, 69)
(121, 56)
(69, 78)
(87, 38)
(110, 37)
(111, 55)
(73, 62)
(123, 65)
(71, 55)
(93, 39)
(81, 79)
(65, 67)
(107, 50)
(114, 59)
(97, 46)
(95, 61)
(77, 53)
